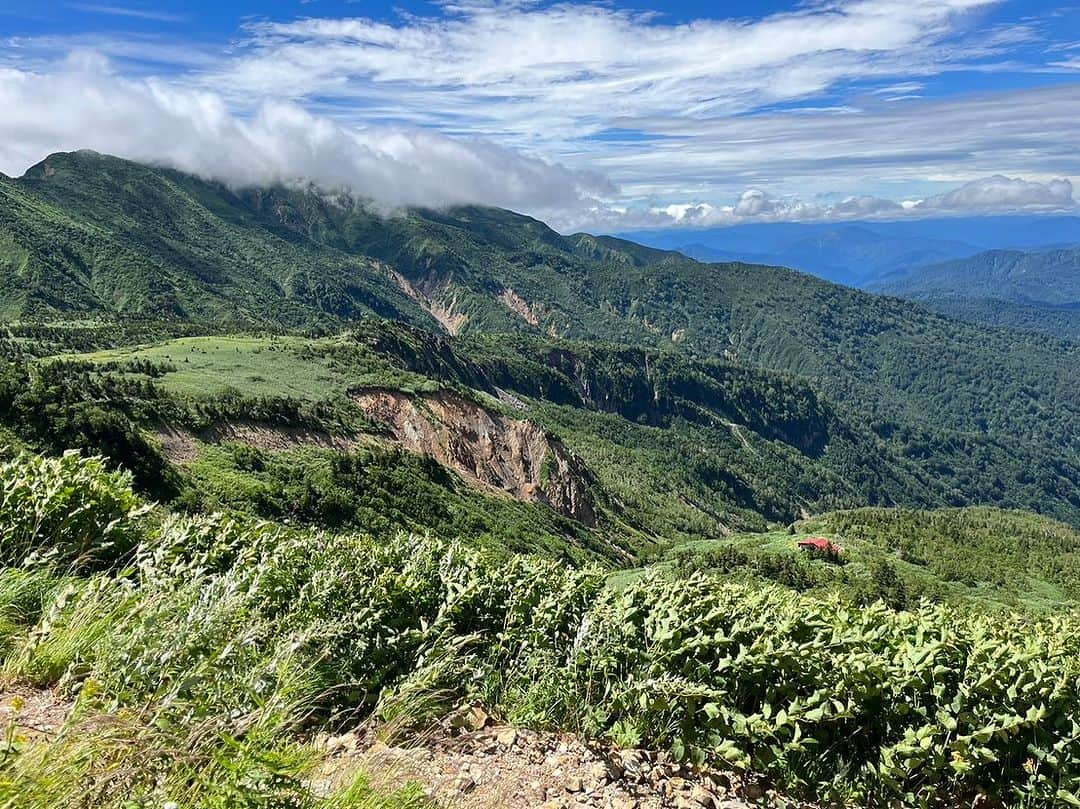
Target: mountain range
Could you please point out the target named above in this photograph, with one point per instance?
(1037, 290)
(862, 254)
(689, 390)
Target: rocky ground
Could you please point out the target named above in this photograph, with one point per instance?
(469, 762)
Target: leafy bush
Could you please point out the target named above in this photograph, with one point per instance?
(863, 703)
(246, 632)
(68, 510)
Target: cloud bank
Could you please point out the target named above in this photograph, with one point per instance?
(582, 114)
(84, 106)
(989, 195)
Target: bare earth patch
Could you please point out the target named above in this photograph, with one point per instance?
(177, 444)
(519, 306)
(33, 713)
(180, 446)
(276, 439)
(428, 295)
(511, 455)
(500, 767)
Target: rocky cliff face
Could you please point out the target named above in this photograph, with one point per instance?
(513, 455)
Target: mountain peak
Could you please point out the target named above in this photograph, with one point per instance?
(77, 160)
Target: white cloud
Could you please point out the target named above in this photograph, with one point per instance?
(898, 149)
(1067, 64)
(526, 71)
(84, 106)
(864, 207)
(996, 194)
(999, 193)
(127, 11)
(532, 105)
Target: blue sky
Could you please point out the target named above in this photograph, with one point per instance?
(598, 115)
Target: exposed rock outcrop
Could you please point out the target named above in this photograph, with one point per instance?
(514, 455)
(429, 296)
(519, 306)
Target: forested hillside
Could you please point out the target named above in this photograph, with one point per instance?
(1037, 291)
(977, 415)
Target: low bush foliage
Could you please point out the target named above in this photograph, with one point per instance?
(67, 510)
(233, 636)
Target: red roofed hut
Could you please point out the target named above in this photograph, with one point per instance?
(819, 545)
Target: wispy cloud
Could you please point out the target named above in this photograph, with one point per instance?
(538, 73)
(549, 108)
(126, 11)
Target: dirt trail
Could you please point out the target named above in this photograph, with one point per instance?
(32, 713)
(470, 762)
(500, 767)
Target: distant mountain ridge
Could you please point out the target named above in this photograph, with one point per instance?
(1037, 290)
(1045, 277)
(863, 253)
(853, 255)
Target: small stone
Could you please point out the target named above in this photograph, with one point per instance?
(335, 743)
(506, 737)
(754, 791)
(598, 774)
(463, 784)
(676, 784)
(720, 781)
(573, 784)
(472, 718)
(699, 796)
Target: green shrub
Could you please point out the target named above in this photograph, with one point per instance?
(861, 703)
(244, 633)
(67, 511)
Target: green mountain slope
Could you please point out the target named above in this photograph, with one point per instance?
(86, 234)
(1047, 277)
(1039, 290)
(975, 556)
(987, 415)
(658, 448)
